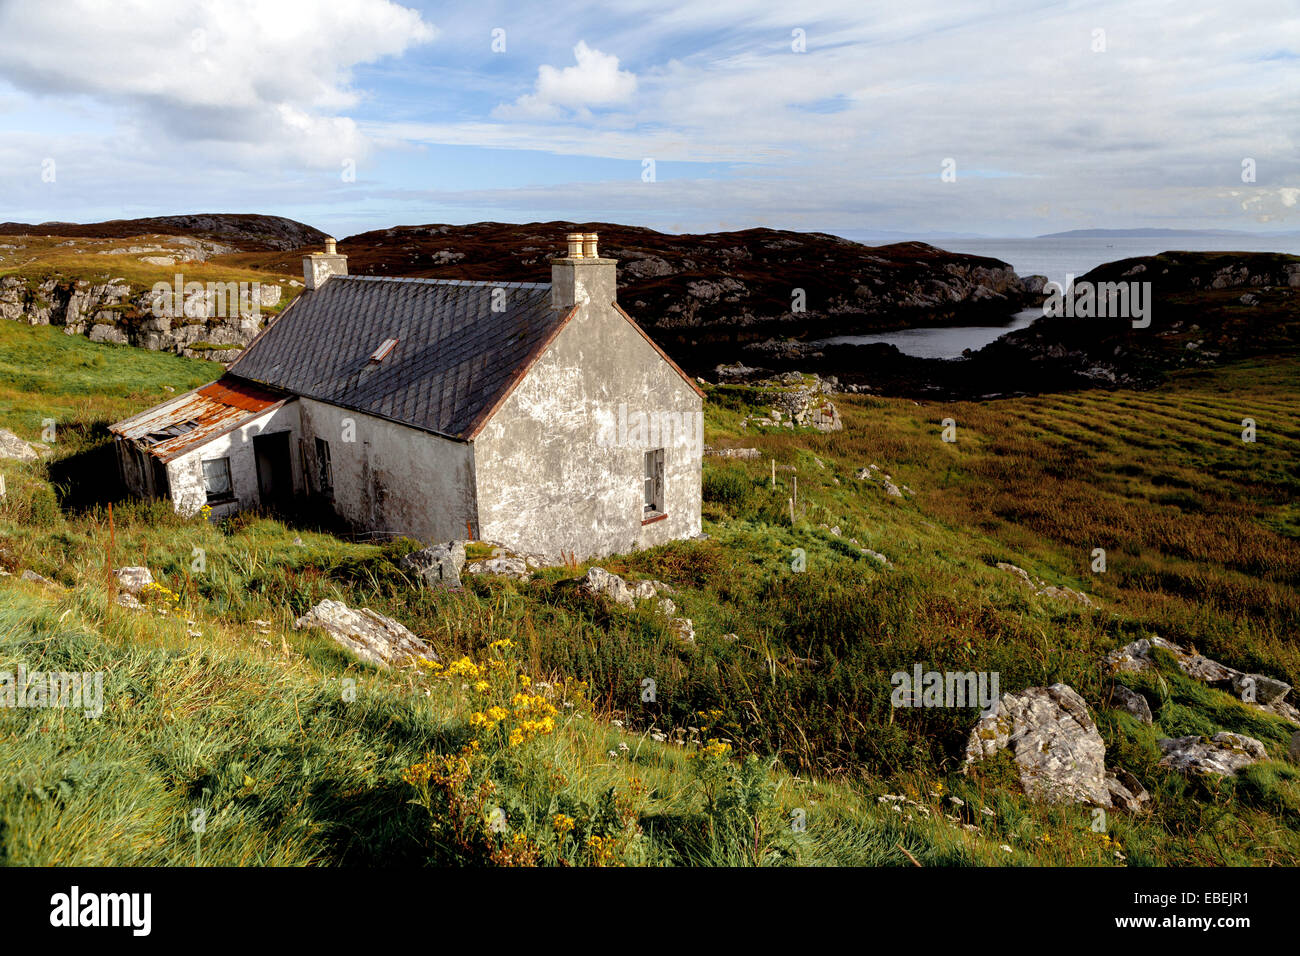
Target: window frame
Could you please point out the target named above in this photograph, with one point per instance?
(654, 485)
(218, 497)
(324, 467)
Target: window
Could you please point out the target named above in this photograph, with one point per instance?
(216, 479)
(654, 482)
(381, 353)
(324, 474)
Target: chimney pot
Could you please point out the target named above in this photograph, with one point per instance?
(330, 247)
(575, 244)
(589, 245)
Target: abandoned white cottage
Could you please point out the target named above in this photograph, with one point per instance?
(536, 415)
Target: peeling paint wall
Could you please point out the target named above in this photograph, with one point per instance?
(557, 473)
(392, 478)
(185, 473)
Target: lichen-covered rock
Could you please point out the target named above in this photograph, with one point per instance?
(683, 628)
(367, 634)
(1131, 702)
(648, 590)
(598, 581)
(11, 446)
(1042, 589)
(1223, 754)
(1254, 690)
(1053, 740)
(506, 565)
(438, 565)
(1257, 687)
(129, 601)
(132, 579)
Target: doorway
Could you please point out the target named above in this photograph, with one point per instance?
(274, 477)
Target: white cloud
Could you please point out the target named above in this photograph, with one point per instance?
(272, 76)
(596, 80)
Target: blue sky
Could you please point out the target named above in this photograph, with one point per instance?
(839, 117)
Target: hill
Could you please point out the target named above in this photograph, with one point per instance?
(246, 231)
(1205, 309)
(700, 296)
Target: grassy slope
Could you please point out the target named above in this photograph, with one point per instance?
(252, 726)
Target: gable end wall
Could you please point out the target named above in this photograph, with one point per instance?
(560, 466)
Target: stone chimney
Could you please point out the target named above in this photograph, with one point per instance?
(319, 266)
(581, 277)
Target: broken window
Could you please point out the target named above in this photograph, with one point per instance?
(324, 473)
(216, 479)
(654, 481)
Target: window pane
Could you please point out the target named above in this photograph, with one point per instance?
(654, 480)
(216, 477)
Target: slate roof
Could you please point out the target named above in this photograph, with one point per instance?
(455, 359)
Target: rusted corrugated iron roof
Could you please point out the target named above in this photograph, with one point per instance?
(182, 424)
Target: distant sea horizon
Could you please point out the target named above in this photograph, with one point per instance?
(1056, 258)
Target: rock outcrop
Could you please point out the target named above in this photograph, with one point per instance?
(438, 565)
(1223, 754)
(208, 325)
(1254, 690)
(1042, 589)
(1052, 738)
(505, 562)
(369, 635)
(11, 446)
(1131, 702)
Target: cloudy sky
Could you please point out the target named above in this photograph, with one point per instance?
(994, 117)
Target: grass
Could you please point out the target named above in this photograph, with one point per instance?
(298, 754)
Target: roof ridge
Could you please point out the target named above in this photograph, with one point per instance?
(465, 282)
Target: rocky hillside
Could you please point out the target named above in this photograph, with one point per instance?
(1207, 308)
(700, 295)
(239, 231)
(102, 288)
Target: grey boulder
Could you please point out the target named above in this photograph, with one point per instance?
(1131, 702)
(1224, 754)
(132, 579)
(367, 634)
(438, 565)
(1059, 754)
